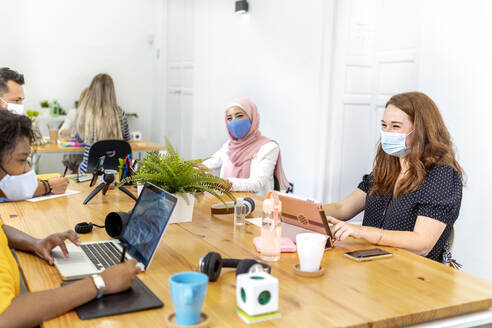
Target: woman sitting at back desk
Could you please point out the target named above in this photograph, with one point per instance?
(99, 117)
(412, 197)
(248, 159)
(30, 309)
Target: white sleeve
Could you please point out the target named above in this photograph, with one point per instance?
(261, 170)
(69, 122)
(216, 160)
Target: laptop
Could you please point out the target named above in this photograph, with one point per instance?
(142, 235)
(301, 215)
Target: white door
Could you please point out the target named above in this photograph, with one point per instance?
(179, 75)
(375, 58)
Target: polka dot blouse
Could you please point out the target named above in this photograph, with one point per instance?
(438, 198)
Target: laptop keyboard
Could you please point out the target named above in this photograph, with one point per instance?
(103, 255)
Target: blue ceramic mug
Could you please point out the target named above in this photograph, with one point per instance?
(188, 291)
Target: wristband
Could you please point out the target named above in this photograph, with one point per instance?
(46, 187)
(99, 283)
(50, 187)
(380, 236)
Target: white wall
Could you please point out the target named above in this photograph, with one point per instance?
(60, 45)
(456, 71)
(272, 56)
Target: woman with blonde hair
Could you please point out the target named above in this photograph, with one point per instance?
(99, 117)
(412, 197)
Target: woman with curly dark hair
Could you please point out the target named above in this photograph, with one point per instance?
(30, 309)
(412, 197)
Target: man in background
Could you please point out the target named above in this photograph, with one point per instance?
(11, 90)
(12, 98)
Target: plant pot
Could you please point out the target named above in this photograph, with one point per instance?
(183, 212)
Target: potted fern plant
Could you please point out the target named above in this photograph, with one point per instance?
(179, 177)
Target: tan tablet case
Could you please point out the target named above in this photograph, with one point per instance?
(303, 215)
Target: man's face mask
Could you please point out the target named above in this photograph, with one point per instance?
(14, 108)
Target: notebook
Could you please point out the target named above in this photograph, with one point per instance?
(139, 297)
(47, 176)
(286, 245)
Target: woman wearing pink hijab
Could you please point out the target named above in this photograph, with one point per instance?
(248, 159)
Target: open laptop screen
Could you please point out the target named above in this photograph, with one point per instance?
(147, 222)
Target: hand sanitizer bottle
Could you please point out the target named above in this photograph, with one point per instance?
(271, 230)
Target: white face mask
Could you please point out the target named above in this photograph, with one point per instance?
(394, 144)
(19, 187)
(15, 108)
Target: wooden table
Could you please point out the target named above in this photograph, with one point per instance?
(52, 148)
(405, 289)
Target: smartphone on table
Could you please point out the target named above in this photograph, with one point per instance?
(368, 254)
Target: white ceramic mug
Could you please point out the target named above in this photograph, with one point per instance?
(310, 248)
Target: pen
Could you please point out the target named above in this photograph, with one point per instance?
(125, 170)
(123, 253)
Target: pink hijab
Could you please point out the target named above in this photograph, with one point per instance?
(241, 151)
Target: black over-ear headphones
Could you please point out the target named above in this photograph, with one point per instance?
(211, 264)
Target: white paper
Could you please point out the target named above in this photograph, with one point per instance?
(68, 192)
(255, 221)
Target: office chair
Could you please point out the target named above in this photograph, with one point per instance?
(276, 186)
(447, 257)
(451, 239)
(112, 149)
(103, 160)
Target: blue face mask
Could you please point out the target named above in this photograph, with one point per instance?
(239, 128)
(394, 143)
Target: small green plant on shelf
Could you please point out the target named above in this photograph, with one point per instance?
(54, 106)
(32, 114)
(56, 109)
(178, 176)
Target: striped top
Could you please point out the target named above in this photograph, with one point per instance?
(125, 131)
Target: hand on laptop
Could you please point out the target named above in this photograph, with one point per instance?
(44, 246)
(120, 277)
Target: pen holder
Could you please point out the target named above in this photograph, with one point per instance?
(126, 170)
(126, 183)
